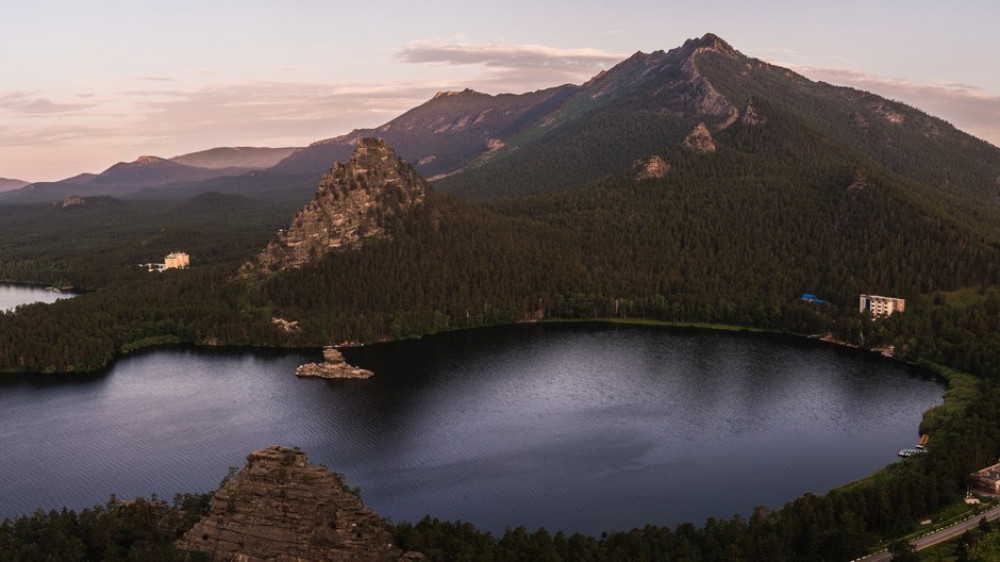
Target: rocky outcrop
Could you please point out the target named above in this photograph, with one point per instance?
(700, 140)
(354, 201)
(653, 168)
(72, 201)
(334, 366)
(280, 508)
(751, 116)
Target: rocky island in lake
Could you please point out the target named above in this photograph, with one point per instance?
(334, 366)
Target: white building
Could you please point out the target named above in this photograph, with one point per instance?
(881, 306)
(177, 260)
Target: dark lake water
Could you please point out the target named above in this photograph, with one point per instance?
(13, 295)
(575, 427)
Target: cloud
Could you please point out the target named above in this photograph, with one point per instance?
(268, 112)
(153, 78)
(969, 108)
(48, 107)
(505, 56)
(28, 103)
(511, 68)
(53, 135)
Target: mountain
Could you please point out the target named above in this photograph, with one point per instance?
(695, 184)
(442, 134)
(235, 157)
(9, 184)
(481, 146)
(122, 178)
(651, 101)
(148, 171)
(353, 202)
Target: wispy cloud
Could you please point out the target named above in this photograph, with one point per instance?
(969, 108)
(263, 112)
(512, 68)
(153, 78)
(505, 56)
(28, 103)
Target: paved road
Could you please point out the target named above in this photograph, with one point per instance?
(938, 536)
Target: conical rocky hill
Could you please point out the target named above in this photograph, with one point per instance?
(282, 509)
(353, 201)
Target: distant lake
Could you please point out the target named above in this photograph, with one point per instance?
(576, 427)
(12, 296)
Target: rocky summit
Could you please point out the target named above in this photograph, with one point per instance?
(353, 202)
(280, 508)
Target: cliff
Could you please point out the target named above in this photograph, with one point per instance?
(354, 201)
(280, 508)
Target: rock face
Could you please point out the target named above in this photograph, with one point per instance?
(700, 140)
(353, 201)
(653, 168)
(333, 367)
(280, 508)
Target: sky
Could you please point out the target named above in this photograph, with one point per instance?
(87, 84)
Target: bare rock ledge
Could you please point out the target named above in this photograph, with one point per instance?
(333, 367)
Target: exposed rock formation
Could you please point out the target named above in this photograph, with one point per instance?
(72, 201)
(653, 168)
(280, 508)
(333, 367)
(751, 116)
(700, 140)
(353, 201)
(287, 326)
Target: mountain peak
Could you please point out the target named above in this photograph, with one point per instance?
(716, 43)
(451, 94)
(145, 160)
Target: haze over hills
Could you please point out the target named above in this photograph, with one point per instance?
(9, 184)
(123, 178)
(235, 157)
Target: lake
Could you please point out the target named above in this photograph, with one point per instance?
(13, 295)
(579, 427)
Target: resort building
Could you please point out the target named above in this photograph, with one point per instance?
(177, 260)
(986, 481)
(881, 306)
(174, 260)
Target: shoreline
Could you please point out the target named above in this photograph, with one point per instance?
(167, 341)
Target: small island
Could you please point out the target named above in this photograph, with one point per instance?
(333, 367)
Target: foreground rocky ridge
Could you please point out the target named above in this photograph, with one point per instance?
(353, 201)
(281, 508)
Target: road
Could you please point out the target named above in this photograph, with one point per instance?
(939, 536)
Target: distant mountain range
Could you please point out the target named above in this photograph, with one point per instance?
(149, 172)
(483, 146)
(236, 157)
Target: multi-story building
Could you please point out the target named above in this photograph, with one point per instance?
(176, 260)
(881, 306)
(986, 481)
